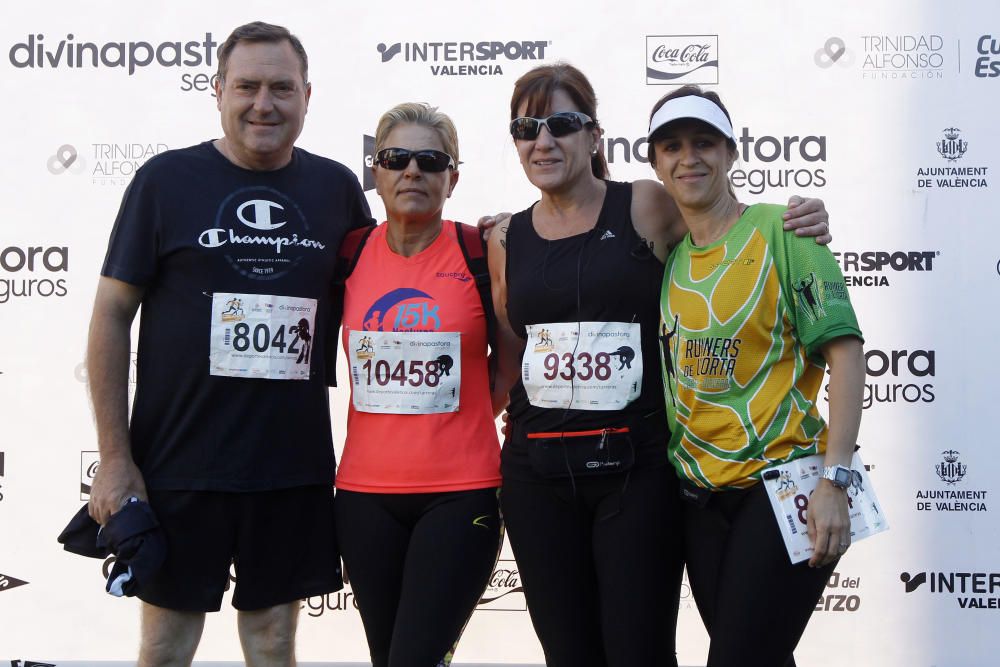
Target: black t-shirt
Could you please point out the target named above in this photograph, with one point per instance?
(607, 274)
(192, 224)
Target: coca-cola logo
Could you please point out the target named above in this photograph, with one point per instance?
(504, 591)
(682, 59)
(691, 53)
(89, 463)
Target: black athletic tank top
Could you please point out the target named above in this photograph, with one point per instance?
(607, 274)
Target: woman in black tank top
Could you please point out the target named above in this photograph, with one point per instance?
(590, 504)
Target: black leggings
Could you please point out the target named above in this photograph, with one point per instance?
(754, 602)
(600, 566)
(418, 564)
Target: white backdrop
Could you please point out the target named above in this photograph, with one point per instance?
(886, 109)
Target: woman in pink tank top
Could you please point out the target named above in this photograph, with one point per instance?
(417, 514)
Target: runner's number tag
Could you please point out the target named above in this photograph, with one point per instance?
(261, 336)
(789, 488)
(405, 372)
(582, 365)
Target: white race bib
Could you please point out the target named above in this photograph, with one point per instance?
(405, 372)
(792, 485)
(582, 365)
(261, 336)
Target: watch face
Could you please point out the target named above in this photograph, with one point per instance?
(842, 477)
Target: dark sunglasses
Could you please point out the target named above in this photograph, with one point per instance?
(428, 159)
(559, 124)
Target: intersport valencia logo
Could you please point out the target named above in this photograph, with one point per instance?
(970, 590)
(486, 58)
(874, 268)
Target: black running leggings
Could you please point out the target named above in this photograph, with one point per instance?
(600, 565)
(754, 602)
(418, 564)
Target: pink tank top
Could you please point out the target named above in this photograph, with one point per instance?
(420, 453)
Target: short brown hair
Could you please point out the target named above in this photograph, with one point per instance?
(258, 32)
(536, 87)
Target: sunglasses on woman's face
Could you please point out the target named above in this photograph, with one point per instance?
(428, 159)
(560, 124)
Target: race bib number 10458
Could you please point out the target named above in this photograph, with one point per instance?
(405, 372)
(261, 336)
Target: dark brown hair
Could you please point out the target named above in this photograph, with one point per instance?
(686, 91)
(258, 32)
(535, 89)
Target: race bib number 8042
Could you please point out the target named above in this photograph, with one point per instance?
(582, 365)
(261, 336)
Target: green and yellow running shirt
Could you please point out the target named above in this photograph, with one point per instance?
(742, 324)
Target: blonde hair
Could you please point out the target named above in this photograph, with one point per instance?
(418, 113)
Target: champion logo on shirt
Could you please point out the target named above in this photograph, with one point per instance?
(607, 235)
(464, 277)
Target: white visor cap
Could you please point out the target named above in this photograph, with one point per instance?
(691, 106)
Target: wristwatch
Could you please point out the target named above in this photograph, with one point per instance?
(838, 475)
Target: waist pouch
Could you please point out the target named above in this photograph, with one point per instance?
(581, 453)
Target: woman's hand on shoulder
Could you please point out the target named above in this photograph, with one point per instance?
(656, 218)
(808, 217)
(488, 222)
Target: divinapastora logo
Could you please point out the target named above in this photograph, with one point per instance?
(38, 52)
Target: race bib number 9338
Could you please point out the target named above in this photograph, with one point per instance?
(582, 365)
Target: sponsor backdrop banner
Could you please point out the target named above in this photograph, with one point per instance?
(885, 109)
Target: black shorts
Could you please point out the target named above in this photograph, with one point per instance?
(282, 545)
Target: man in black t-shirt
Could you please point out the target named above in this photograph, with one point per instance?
(229, 247)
